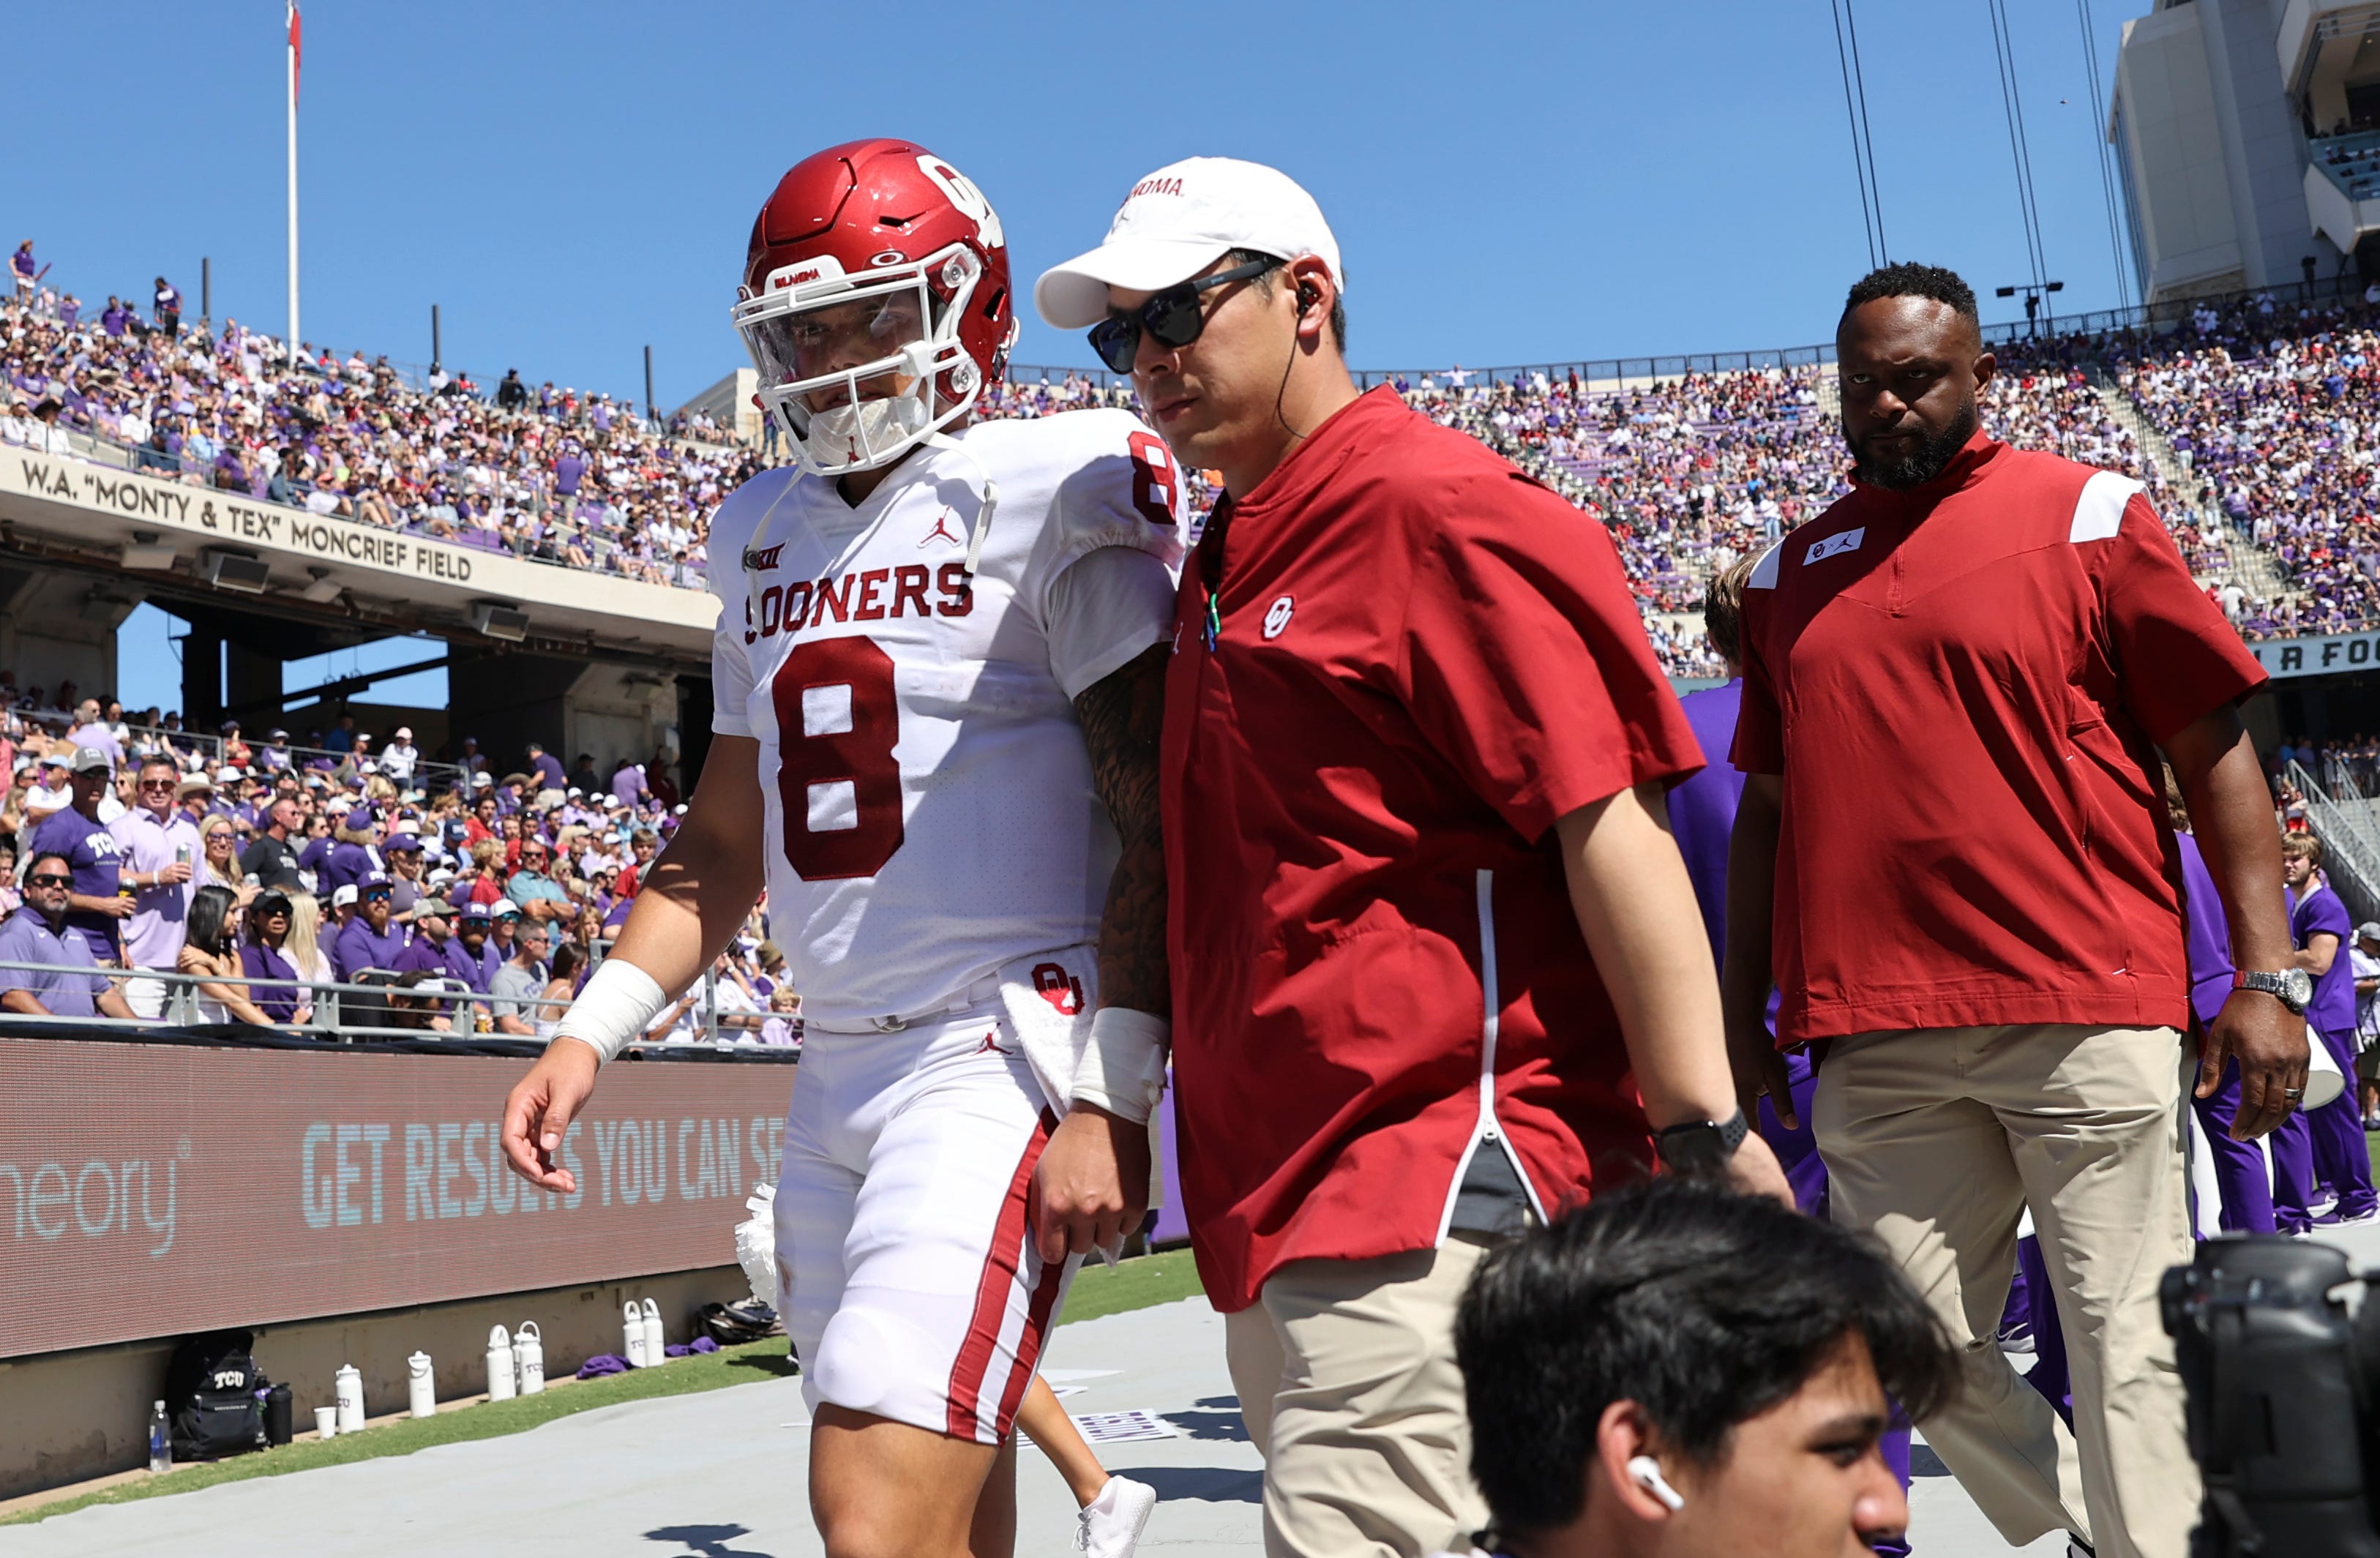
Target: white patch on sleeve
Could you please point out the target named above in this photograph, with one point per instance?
(834, 807)
(1764, 573)
(826, 711)
(2099, 512)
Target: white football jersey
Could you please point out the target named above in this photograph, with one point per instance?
(931, 810)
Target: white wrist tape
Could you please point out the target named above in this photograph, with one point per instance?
(619, 1003)
(1122, 1068)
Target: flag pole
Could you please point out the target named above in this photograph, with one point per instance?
(293, 181)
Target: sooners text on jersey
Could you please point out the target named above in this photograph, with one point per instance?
(930, 810)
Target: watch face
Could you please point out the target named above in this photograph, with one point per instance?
(2300, 991)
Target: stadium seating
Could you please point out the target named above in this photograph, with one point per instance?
(2269, 408)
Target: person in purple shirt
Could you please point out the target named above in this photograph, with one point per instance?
(93, 908)
(480, 959)
(1701, 815)
(2319, 925)
(372, 940)
(434, 948)
(356, 854)
(260, 957)
(546, 767)
(629, 783)
(2240, 1174)
(67, 984)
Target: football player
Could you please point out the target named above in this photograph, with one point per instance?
(937, 679)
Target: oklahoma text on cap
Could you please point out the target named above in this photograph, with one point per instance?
(1177, 222)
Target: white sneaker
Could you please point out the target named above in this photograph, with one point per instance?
(1111, 1524)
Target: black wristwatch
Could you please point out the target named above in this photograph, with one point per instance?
(1701, 1149)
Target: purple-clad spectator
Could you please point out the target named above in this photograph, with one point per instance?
(629, 783)
(372, 940)
(546, 768)
(480, 959)
(2240, 1173)
(262, 957)
(94, 909)
(169, 309)
(22, 271)
(67, 984)
(2319, 925)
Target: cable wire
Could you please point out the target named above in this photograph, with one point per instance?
(1863, 144)
(2108, 155)
(2004, 52)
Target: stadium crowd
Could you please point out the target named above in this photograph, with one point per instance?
(2269, 405)
(546, 474)
(486, 895)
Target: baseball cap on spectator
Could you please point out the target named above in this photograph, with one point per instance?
(342, 895)
(1177, 222)
(482, 782)
(228, 726)
(474, 911)
(503, 908)
(438, 907)
(2368, 932)
(276, 735)
(226, 775)
(402, 844)
(578, 794)
(88, 757)
(54, 760)
(373, 882)
(404, 733)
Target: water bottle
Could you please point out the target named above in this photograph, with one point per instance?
(500, 1365)
(421, 1385)
(160, 1440)
(656, 1353)
(528, 1357)
(347, 1386)
(632, 1333)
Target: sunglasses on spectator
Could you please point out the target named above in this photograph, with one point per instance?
(381, 896)
(157, 783)
(1170, 318)
(47, 880)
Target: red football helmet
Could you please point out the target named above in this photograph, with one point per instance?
(875, 301)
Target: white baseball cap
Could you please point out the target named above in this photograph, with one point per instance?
(1177, 222)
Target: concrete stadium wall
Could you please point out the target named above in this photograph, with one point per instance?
(73, 1415)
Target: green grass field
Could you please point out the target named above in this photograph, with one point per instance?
(1134, 1285)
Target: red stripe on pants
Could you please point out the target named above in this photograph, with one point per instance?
(1000, 1268)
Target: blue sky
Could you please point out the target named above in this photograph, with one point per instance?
(1509, 183)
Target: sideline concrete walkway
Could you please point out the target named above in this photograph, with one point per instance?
(721, 1475)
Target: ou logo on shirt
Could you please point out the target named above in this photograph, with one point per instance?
(1277, 615)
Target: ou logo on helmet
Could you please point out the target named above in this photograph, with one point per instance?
(967, 196)
(1277, 615)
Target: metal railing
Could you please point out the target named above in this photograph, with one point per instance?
(2349, 825)
(427, 777)
(332, 1001)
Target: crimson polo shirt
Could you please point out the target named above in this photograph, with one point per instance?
(1425, 659)
(1963, 686)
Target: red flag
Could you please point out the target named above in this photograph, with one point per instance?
(297, 53)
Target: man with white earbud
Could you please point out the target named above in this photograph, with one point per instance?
(1632, 1396)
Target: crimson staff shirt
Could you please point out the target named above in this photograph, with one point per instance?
(1425, 659)
(1962, 685)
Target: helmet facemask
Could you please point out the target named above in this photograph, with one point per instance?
(863, 368)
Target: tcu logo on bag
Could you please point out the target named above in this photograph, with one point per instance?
(1058, 988)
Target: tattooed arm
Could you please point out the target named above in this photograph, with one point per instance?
(1091, 1185)
(1121, 716)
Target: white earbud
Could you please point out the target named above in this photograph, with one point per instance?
(1647, 1473)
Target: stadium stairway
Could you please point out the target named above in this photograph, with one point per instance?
(2252, 565)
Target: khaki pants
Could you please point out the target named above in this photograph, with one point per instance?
(1936, 1140)
(1347, 1375)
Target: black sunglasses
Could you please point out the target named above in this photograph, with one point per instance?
(47, 881)
(1171, 318)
